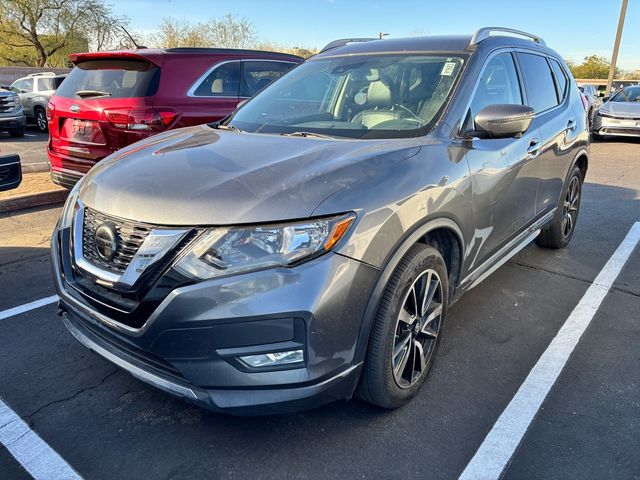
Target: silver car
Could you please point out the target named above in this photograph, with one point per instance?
(620, 115)
(308, 248)
(35, 90)
(590, 92)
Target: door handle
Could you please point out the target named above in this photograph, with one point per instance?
(571, 125)
(534, 148)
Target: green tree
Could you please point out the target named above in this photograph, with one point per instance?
(593, 66)
(40, 29)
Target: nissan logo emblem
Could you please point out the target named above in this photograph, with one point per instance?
(105, 241)
(74, 108)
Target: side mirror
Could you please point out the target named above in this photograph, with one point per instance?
(10, 172)
(5, 87)
(503, 121)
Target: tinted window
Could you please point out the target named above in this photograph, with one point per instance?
(257, 75)
(223, 81)
(561, 79)
(498, 84)
(627, 94)
(541, 90)
(114, 78)
(49, 83)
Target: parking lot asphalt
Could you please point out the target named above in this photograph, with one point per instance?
(31, 147)
(106, 424)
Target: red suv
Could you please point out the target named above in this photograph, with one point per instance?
(112, 99)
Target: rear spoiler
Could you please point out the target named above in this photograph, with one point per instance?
(147, 55)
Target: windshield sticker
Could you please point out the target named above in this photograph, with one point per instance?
(447, 69)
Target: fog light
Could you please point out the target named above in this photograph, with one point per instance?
(274, 359)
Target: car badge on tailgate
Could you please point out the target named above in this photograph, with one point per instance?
(74, 108)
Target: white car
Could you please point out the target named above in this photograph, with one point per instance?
(620, 115)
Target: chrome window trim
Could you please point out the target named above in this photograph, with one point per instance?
(203, 77)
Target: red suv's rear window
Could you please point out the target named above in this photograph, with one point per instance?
(111, 78)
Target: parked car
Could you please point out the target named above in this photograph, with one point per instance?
(113, 99)
(310, 246)
(590, 92)
(34, 91)
(10, 172)
(619, 115)
(12, 117)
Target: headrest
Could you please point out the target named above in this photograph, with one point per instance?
(378, 94)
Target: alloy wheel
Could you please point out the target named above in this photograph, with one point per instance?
(570, 207)
(417, 329)
(41, 121)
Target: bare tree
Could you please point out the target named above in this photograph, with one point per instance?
(226, 32)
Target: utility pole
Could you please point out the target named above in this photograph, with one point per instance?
(381, 35)
(616, 47)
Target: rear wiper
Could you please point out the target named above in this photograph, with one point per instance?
(92, 93)
(220, 126)
(307, 134)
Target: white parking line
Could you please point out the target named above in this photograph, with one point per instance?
(501, 442)
(28, 306)
(33, 453)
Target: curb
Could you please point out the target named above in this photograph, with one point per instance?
(36, 167)
(29, 200)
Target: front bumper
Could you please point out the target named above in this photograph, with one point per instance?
(12, 121)
(190, 344)
(625, 127)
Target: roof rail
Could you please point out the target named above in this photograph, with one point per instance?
(485, 32)
(344, 41)
(42, 74)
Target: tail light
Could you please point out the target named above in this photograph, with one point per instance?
(147, 120)
(585, 102)
(51, 109)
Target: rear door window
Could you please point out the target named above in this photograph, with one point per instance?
(111, 78)
(561, 79)
(222, 81)
(49, 83)
(538, 82)
(258, 74)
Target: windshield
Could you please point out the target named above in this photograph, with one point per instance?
(627, 94)
(364, 96)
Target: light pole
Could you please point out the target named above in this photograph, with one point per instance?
(616, 47)
(381, 35)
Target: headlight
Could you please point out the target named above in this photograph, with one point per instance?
(17, 102)
(605, 114)
(223, 251)
(70, 208)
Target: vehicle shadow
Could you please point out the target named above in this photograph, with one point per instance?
(31, 135)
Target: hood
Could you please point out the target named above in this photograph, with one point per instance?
(622, 109)
(202, 176)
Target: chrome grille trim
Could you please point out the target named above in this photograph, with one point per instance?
(144, 245)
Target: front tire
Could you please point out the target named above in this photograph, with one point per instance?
(559, 233)
(407, 329)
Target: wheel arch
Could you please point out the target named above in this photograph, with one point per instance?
(444, 234)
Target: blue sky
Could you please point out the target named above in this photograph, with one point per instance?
(575, 28)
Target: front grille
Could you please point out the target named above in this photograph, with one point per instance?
(7, 103)
(131, 236)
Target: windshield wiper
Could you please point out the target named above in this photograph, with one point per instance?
(307, 134)
(92, 93)
(219, 126)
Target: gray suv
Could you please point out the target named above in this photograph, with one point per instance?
(309, 246)
(35, 90)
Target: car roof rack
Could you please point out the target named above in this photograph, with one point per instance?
(42, 74)
(485, 32)
(345, 41)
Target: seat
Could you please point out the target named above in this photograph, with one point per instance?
(378, 97)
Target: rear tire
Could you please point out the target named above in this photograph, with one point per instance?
(18, 132)
(559, 233)
(406, 330)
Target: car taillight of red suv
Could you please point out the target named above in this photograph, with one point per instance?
(113, 99)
